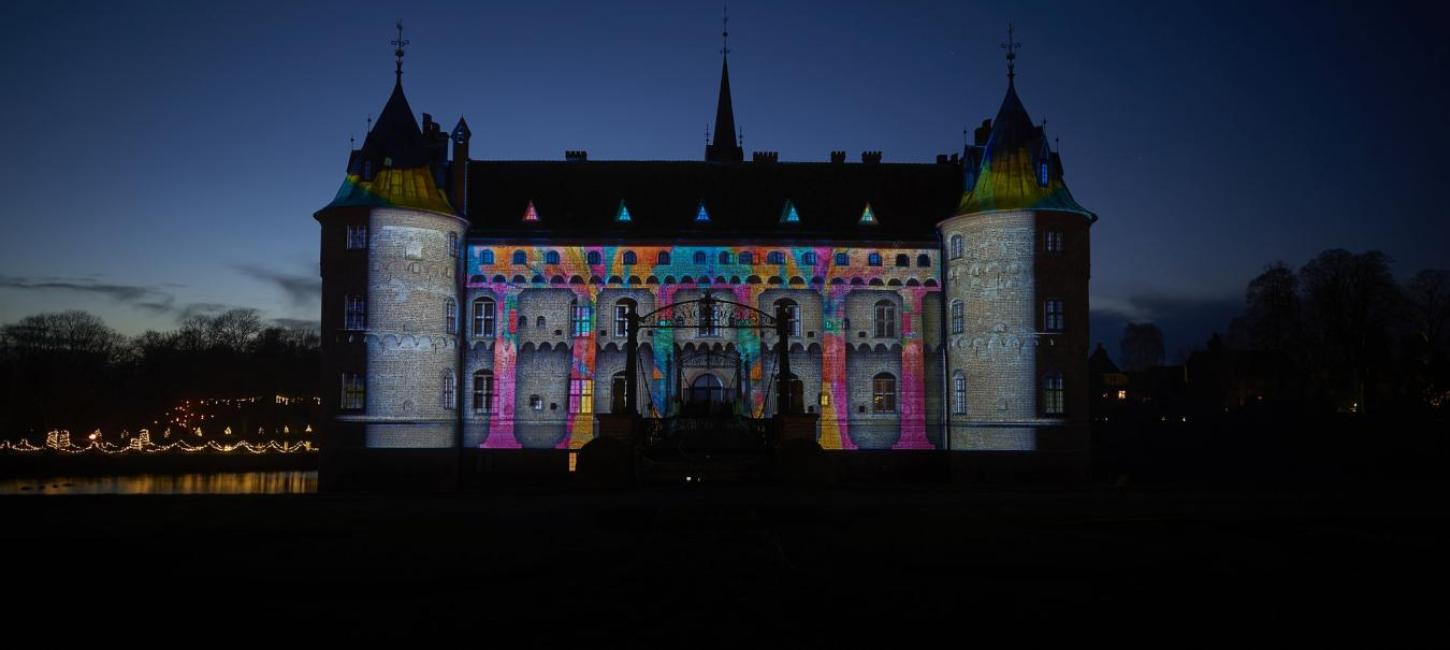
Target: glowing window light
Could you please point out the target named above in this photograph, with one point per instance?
(788, 213)
(530, 214)
(868, 217)
(622, 214)
(701, 214)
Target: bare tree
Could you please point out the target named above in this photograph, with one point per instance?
(1349, 301)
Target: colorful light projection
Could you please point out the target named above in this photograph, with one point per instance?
(622, 214)
(745, 283)
(530, 214)
(702, 215)
(393, 188)
(788, 213)
(868, 218)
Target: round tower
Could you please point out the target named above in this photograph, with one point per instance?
(391, 245)
(1016, 287)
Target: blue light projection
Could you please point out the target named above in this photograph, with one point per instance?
(788, 214)
(702, 214)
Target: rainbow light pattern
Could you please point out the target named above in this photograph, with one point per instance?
(531, 214)
(743, 283)
(868, 217)
(393, 188)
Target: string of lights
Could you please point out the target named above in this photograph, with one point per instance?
(60, 442)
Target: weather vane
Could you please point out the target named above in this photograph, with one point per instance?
(725, 31)
(398, 51)
(1011, 47)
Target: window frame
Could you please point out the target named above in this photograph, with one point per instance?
(357, 236)
(450, 315)
(959, 393)
(958, 317)
(354, 396)
(355, 312)
(483, 394)
(883, 393)
(581, 318)
(1054, 394)
(956, 247)
(484, 322)
(885, 325)
(1054, 320)
(581, 395)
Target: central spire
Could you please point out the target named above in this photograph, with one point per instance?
(725, 148)
(398, 46)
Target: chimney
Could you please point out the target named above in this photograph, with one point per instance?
(941, 159)
(576, 156)
(765, 156)
(838, 156)
(871, 157)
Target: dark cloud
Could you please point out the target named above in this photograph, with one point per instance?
(201, 309)
(296, 323)
(302, 289)
(150, 298)
(1187, 322)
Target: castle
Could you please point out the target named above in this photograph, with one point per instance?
(483, 304)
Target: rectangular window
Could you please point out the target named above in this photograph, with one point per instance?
(450, 315)
(621, 320)
(450, 392)
(959, 395)
(885, 321)
(883, 395)
(581, 395)
(583, 320)
(483, 317)
(1052, 395)
(483, 392)
(453, 244)
(959, 317)
(1052, 241)
(1053, 317)
(354, 392)
(357, 237)
(356, 317)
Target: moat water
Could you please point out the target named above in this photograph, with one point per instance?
(285, 482)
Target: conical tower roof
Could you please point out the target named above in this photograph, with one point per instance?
(1015, 163)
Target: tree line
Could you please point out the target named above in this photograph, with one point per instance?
(1336, 334)
(69, 370)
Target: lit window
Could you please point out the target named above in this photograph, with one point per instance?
(520, 257)
(956, 247)
(959, 317)
(775, 257)
(959, 393)
(621, 316)
(581, 395)
(583, 322)
(699, 257)
(486, 257)
(1052, 394)
(843, 259)
(551, 257)
(592, 258)
(1052, 241)
(903, 260)
(1053, 319)
(357, 236)
(808, 258)
(792, 315)
(354, 391)
(1042, 177)
(885, 319)
(356, 312)
(873, 259)
(450, 315)
(453, 244)
(483, 391)
(450, 391)
(883, 393)
(483, 317)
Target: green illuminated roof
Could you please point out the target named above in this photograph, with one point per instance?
(1014, 158)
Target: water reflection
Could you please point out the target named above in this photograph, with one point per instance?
(293, 482)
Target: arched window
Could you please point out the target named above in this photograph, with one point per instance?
(903, 260)
(843, 259)
(453, 244)
(551, 257)
(699, 257)
(450, 391)
(1052, 394)
(592, 257)
(622, 308)
(663, 258)
(956, 247)
(885, 319)
(520, 257)
(486, 257)
(959, 317)
(775, 257)
(747, 257)
(808, 258)
(959, 393)
(450, 315)
(724, 257)
(583, 318)
(540, 322)
(1054, 318)
(483, 391)
(883, 393)
(792, 315)
(874, 259)
(483, 317)
(923, 260)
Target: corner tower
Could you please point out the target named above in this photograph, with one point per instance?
(1016, 281)
(390, 251)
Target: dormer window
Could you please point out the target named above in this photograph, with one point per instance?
(1042, 173)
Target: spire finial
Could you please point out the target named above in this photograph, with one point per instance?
(1011, 47)
(725, 31)
(398, 46)
(370, 123)
(707, 134)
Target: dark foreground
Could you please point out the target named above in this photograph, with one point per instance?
(732, 566)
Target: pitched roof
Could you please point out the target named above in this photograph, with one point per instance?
(579, 200)
(1011, 161)
(725, 148)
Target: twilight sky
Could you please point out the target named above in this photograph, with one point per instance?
(166, 158)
